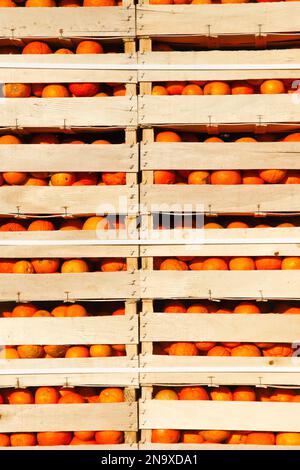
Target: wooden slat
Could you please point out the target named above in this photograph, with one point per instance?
(67, 112)
(60, 158)
(258, 371)
(159, 327)
(89, 330)
(108, 371)
(83, 22)
(67, 251)
(63, 236)
(221, 156)
(220, 198)
(220, 284)
(97, 448)
(36, 418)
(156, 110)
(191, 447)
(205, 414)
(88, 68)
(214, 20)
(206, 250)
(68, 200)
(30, 287)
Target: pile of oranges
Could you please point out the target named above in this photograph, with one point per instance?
(21, 178)
(60, 3)
(62, 351)
(65, 310)
(54, 265)
(77, 90)
(42, 47)
(234, 349)
(238, 87)
(91, 223)
(173, 436)
(237, 263)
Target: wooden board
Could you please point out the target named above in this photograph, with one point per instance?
(206, 414)
(37, 418)
(89, 330)
(220, 284)
(84, 22)
(61, 249)
(68, 112)
(60, 158)
(221, 156)
(158, 327)
(231, 199)
(227, 246)
(97, 448)
(88, 239)
(96, 68)
(68, 200)
(79, 286)
(210, 110)
(191, 447)
(215, 20)
(212, 371)
(93, 371)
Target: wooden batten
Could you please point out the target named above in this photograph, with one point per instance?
(107, 22)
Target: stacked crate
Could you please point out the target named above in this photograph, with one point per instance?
(71, 116)
(261, 27)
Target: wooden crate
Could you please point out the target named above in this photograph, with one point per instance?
(216, 20)
(91, 416)
(204, 415)
(84, 22)
(70, 287)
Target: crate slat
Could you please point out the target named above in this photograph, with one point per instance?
(68, 200)
(38, 418)
(68, 112)
(278, 328)
(228, 109)
(231, 199)
(87, 330)
(68, 251)
(109, 371)
(84, 22)
(220, 156)
(181, 370)
(97, 448)
(191, 447)
(81, 286)
(60, 158)
(214, 20)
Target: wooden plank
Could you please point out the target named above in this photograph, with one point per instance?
(35, 418)
(191, 447)
(159, 327)
(68, 200)
(79, 286)
(220, 284)
(207, 250)
(212, 371)
(221, 156)
(214, 20)
(60, 158)
(231, 199)
(108, 371)
(156, 110)
(97, 448)
(68, 112)
(67, 251)
(206, 414)
(88, 68)
(65, 237)
(89, 330)
(84, 22)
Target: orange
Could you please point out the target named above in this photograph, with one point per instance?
(9, 139)
(164, 177)
(56, 351)
(242, 88)
(192, 437)
(246, 350)
(165, 436)
(159, 90)
(227, 177)
(89, 47)
(111, 395)
(84, 435)
(24, 310)
(212, 264)
(173, 265)
(196, 264)
(193, 393)
(267, 262)
(237, 224)
(40, 225)
(199, 177)
(292, 137)
(63, 179)
(251, 177)
(293, 177)
(260, 438)
(219, 351)
(109, 437)
(46, 395)
(283, 395)
(101, 350)
(168, 136)
(221, 394)
(272, 87)
(96, 223)
(246, 307)
(241, 263)
(16, 90)
(175, 88)
(174, 307)
(14, 178)
(237, 437)
(4, 440)
(288, 439)
(183, 349)
(112, 265)
(30, 351)
(272, 176)
(291, 262)
(72, 224)
(197, 308)
(25, 439)
(70, 398)
(74, 266)
(215, 436)
(55, 91)
(166, 395)
(77, 351)
(9, 353)
(279, 350)
(45, 266)
(192, 90)
(54, 438)
(244, 393)
(217, 88)
(20, 397)
(205, 345)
